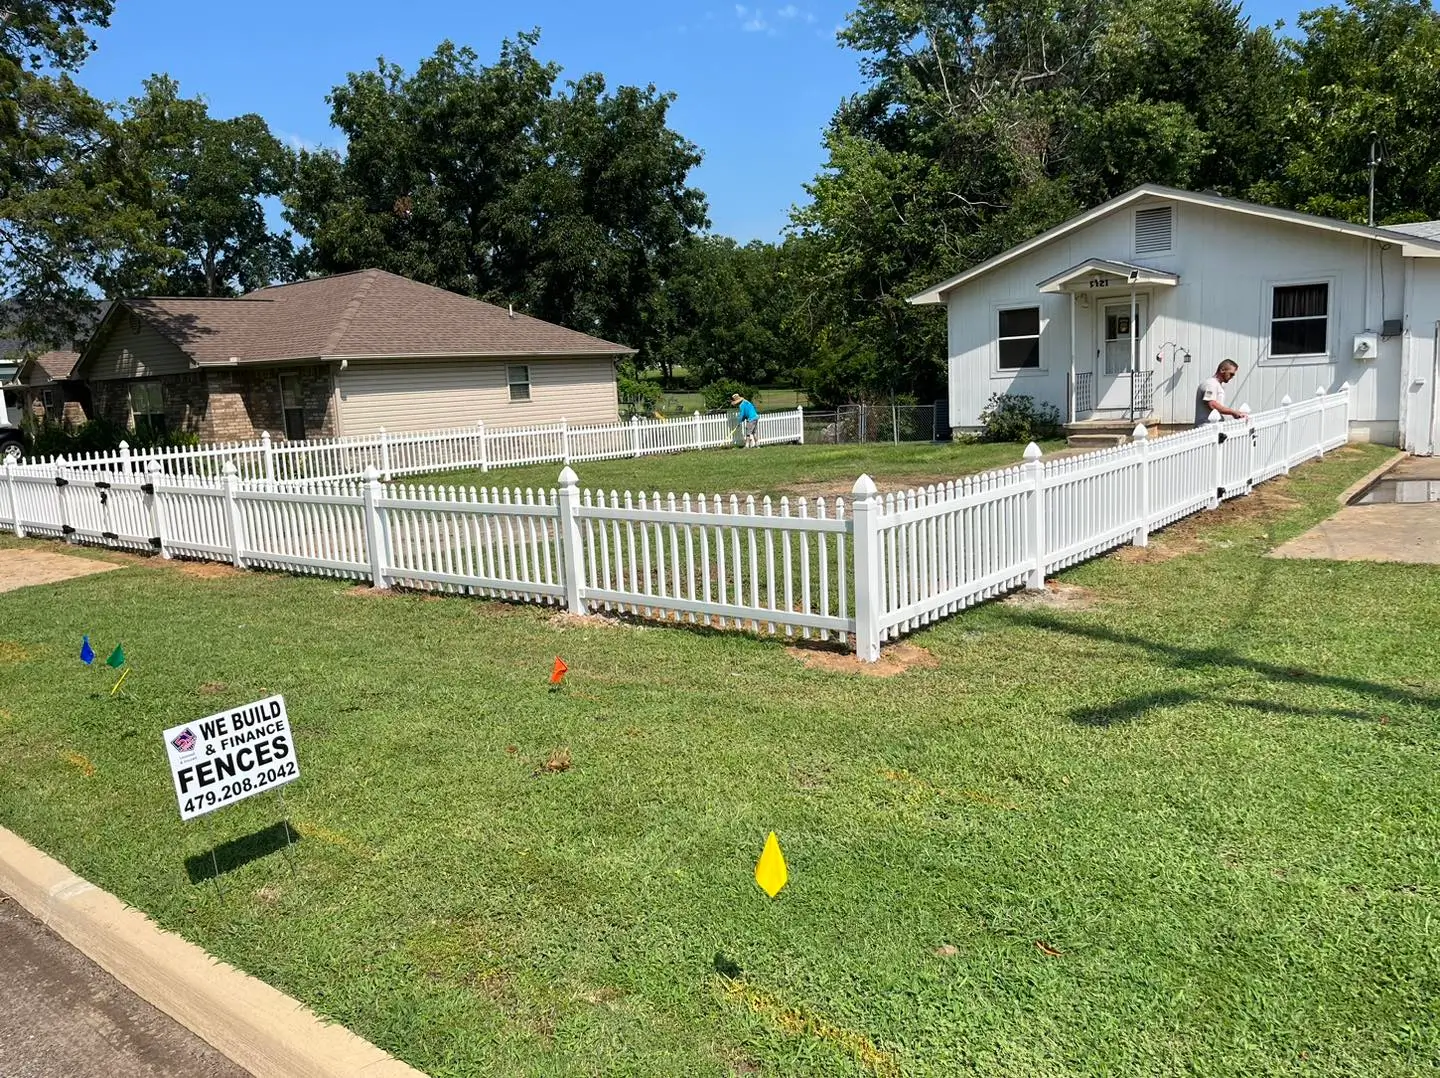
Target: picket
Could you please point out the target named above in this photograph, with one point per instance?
(879, 567)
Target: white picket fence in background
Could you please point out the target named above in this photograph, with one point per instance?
(874, 568)
(478, 447)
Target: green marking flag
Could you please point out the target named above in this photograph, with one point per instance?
(117, 657)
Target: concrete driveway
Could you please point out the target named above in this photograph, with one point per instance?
(1406, 529)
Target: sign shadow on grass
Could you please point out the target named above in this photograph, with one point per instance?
(230, 855)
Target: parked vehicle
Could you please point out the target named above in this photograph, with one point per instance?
(12, 442)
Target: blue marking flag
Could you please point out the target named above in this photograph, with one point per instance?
(87, 653)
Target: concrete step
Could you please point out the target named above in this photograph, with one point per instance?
(1096, 440)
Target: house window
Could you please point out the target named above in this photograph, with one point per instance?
(1299, 320)
(147, 407)
(1154, 230)
(47, 398)
(292, 402)
(518, 375)
(1019, 338)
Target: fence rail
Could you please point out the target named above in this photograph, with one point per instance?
(876, 566)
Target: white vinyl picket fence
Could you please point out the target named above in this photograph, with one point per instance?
(875, 568)
(478, 447)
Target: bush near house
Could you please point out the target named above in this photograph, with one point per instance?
(98, 436)
(1017, 417)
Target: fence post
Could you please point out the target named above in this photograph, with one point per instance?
(1287, 404)
(375, 534)
(1035, 471)
(267, 458)
(232, 514)
(1254, 436)
(1349, 391)
(61, 481)
(1142, 439)
(634, 435)
(894, 424)
(1320, 424)
(564, 440)
(1214, 421)
(484, 446)
(800, 423)
(153, 471)
(865, 510)
(699, 441)
(572, 554)
(384, 455)
(124, 457)
(14, 500)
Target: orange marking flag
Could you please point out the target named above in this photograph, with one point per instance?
(557, 673)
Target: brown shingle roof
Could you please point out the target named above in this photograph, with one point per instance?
(355, 315)
(48, 367)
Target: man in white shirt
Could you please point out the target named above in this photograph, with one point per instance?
(1212, 394)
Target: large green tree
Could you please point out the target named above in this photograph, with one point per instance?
(71, 200)
(489, 180)
(986, 121)
(208, 179)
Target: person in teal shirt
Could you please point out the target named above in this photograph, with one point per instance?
(749, 419)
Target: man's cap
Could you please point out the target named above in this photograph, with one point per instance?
(736, 397)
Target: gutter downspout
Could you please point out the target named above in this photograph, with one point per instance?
(1134, 343)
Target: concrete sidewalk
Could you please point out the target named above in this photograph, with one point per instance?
(1400, 532)
(62, 1016)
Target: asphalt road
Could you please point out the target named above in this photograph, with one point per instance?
(62, 1016)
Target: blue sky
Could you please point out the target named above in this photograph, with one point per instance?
(756, 84)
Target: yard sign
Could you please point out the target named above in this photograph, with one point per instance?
(231, 755)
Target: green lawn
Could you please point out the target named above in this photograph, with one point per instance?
(772, 469)
(1189, 829)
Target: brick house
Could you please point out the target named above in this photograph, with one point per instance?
(49, 393)
(341, 355)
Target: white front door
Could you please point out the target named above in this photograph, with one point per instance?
(1116, 329)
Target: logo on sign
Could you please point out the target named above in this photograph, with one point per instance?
(184, 740)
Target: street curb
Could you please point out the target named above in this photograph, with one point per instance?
(261, 1029)
(1360, 484)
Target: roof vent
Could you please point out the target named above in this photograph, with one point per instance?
(512, 310)
(1154, 230)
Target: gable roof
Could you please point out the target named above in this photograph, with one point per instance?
(1415, 244)
(1426, 230)
(47, 367)
(365, 314)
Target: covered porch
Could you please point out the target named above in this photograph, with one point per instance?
(1110, 388)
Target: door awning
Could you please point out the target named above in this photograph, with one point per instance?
(1096, 273)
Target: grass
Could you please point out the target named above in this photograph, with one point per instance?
(774, 469)
(1188, 829)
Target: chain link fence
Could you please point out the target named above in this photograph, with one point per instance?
(854, 424)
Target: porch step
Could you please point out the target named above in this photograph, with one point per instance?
(1095, 441)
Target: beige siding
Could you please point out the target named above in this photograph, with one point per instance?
(135, 353)
(410, 395)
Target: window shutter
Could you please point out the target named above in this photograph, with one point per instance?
(1153, 230)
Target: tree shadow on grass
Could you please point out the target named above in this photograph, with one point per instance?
(228, 856)
(1218, 659)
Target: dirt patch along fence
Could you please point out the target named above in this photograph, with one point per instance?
(875, 567)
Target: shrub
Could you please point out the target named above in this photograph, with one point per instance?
(99, 436)
(639, 396)
(717, 394)
(1015, 417)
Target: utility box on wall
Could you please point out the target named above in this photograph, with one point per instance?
(1367, 346)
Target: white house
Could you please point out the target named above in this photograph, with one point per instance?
(1118, 314)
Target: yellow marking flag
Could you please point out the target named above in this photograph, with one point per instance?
(770, 871)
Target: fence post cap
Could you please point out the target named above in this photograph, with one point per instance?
(1319, 391)
(1139, 432)
(1033, 452)
(568, 478)
(864, 488)
(1285, 401)
(1345, 387)
(697, 413)
(228, 468)
(371, 474)
(382, 430)
(152, 466)
(124, 444)
(265, 436)
(1215, 417)
(1245, 407)
(479, 422)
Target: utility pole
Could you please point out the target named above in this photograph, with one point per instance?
(1374, 161)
